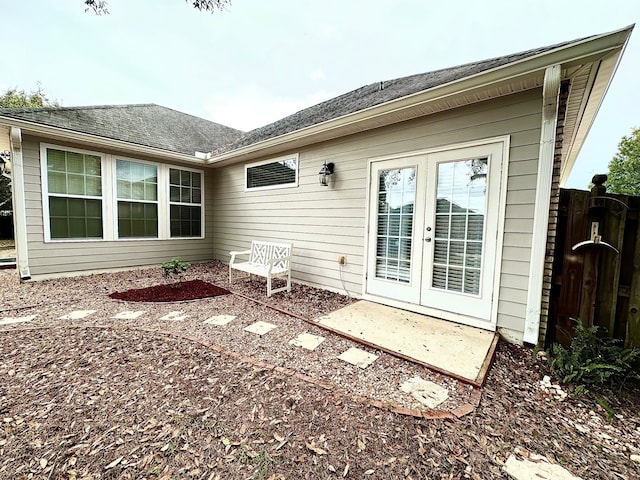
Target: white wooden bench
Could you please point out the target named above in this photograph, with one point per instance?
(266, 259)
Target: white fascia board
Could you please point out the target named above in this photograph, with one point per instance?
(597, 91)
(599, 45)
(62, 134)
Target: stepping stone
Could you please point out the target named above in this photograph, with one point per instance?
(77, 314)
(174, 316)
(427, 393)
(260, 328)
(306, 340)
(358, 357)
(219, 320)
(10, 320)
(128, 315)
(536, 467)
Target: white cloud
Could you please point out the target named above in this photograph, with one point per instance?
(252, 107)
(317, 74)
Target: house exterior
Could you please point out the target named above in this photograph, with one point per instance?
(442, 197)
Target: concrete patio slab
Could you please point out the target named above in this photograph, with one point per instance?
(128, 315)
(307, 340)
(176, 316)
(260, 328)
(427, 393)
(461, 351)
(11, 320)
(536, 467)
(77, 315)
(220, 320)
(358, 357)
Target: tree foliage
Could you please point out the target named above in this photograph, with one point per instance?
(15, 98)
(99, 7)
(624, 168)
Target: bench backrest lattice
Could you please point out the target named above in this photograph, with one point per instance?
(262, 252)
(266, 259)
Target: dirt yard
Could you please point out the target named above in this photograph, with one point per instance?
(148, 400)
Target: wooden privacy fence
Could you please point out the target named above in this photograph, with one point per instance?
(596, 266)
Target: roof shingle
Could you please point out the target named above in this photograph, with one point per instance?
(145, 124)
(376, 94)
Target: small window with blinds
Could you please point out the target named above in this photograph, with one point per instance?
(279, 172)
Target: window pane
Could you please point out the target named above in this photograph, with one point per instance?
(92, 165)
(174, 194)
(75, 184)
(57, 182)
(185, 221)
(78, 174)
(137, 181)
(459, 229)
(93, 186)
(281, 172)
(137, 219)
(75, 162)
(75, 218)
(396, 196)
(185, 188)
(196, 181)
(174, 176)
(56, 160)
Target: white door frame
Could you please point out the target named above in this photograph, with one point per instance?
(504, 143)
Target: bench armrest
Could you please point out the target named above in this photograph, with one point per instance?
(273, 261)
(234, 253)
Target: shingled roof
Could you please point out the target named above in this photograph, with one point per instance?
(145, 124)
(378, 93)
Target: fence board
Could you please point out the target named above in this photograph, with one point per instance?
(594, 284)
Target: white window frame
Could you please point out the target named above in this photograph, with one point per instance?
(110, 198)
(44, 175)
(169, 202)
(116, 199)
(293, 184)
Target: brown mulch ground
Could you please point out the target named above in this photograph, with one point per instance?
(171, 292)
(84, 401)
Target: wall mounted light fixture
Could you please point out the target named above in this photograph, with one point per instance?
(324, 173)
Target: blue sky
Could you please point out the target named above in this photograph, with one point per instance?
(261, 60)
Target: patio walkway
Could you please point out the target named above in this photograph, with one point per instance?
(457, 350)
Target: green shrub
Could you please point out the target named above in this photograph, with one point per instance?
(592, 360)
(174, 267)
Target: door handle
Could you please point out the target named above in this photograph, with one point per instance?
(427, 239)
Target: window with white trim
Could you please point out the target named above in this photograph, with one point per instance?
(279, 172)
(137, 197)
(93, 196)
(185, 203)
(74, 194)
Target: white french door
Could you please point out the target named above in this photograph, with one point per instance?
(433, 235)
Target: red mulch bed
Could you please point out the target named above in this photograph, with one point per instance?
(173, 292)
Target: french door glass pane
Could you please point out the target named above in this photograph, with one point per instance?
(396, 197)
(459, 225)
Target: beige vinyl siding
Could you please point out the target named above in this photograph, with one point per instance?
(58, 257)
(326, 222)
